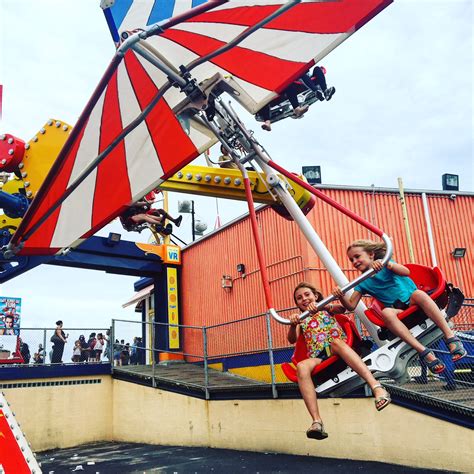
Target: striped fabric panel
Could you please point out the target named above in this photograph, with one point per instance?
(262, 65)
(139, 163)
(128, 15)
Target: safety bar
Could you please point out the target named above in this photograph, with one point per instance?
(352, 284)
(347, 212)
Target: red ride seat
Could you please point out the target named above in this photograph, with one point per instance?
(329, 367)
(430, 280)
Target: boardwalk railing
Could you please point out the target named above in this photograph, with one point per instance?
(247, 354)
(35, 347)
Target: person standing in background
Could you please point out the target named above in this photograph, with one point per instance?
(58, 339)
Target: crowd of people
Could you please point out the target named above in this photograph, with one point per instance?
(96, 348)
(126, 354)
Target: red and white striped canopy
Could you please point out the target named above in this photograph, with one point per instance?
(263, 64)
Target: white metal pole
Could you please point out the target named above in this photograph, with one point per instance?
(323, 253)
(426, 208)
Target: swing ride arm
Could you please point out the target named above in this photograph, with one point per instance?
(242, 139)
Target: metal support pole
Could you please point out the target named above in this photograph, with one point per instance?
(192, 221)
(167, 238)
(405, 220)
(112, 346)
(270, 356)
(44, 346)
(429, 229)
(174, 76)
(153, 363)
(148, 330)
(206, 368)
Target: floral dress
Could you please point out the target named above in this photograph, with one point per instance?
(318, 331)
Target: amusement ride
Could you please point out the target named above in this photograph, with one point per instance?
(163, 101)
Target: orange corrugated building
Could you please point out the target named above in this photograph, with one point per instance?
(290, 259)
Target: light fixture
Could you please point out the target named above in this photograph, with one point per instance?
(200, 227)
(226, 282)
(113, 239)
(450, 182)
(459, 252)
(241, 268)
(185, 207)
(312, 174)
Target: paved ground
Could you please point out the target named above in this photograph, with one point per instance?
(140, 458)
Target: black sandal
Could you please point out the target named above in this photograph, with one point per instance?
(316, 431)
(432, 364)
(458, 351)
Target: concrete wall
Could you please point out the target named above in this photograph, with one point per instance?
(356, 430)
(61, 416)
(69, 415)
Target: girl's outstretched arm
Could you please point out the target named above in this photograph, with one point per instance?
(348, 302)
(398, 268)
(335, 308)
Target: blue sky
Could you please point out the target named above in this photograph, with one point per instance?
(403, 108)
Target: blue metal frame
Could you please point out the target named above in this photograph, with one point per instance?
(42, 371)
(96, 253)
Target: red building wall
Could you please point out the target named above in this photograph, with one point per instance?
(290, 259)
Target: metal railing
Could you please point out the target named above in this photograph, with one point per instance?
(242, 355)
(36, 347)
(247, 354)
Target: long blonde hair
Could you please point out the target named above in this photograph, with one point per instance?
(377, 248)
(305, 284)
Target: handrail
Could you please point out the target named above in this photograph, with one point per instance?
(352, 284)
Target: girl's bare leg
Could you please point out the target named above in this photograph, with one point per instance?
(352, 359)
(138, 218)
(392, 322)
(429, 307)
(306, 385)
(389, 316)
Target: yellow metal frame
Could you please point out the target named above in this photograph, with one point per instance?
(11, 187)
(40, 154)
(227, 183)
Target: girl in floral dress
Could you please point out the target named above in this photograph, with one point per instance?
(324, 337)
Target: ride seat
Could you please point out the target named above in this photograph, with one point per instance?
(430, 280)
(131, 226)
(330, 367)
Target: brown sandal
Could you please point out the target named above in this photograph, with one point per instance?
(316, 431)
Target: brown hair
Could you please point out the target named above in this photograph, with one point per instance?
(377, 248)
(305, 284)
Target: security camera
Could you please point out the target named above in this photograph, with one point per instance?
(452, 197)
